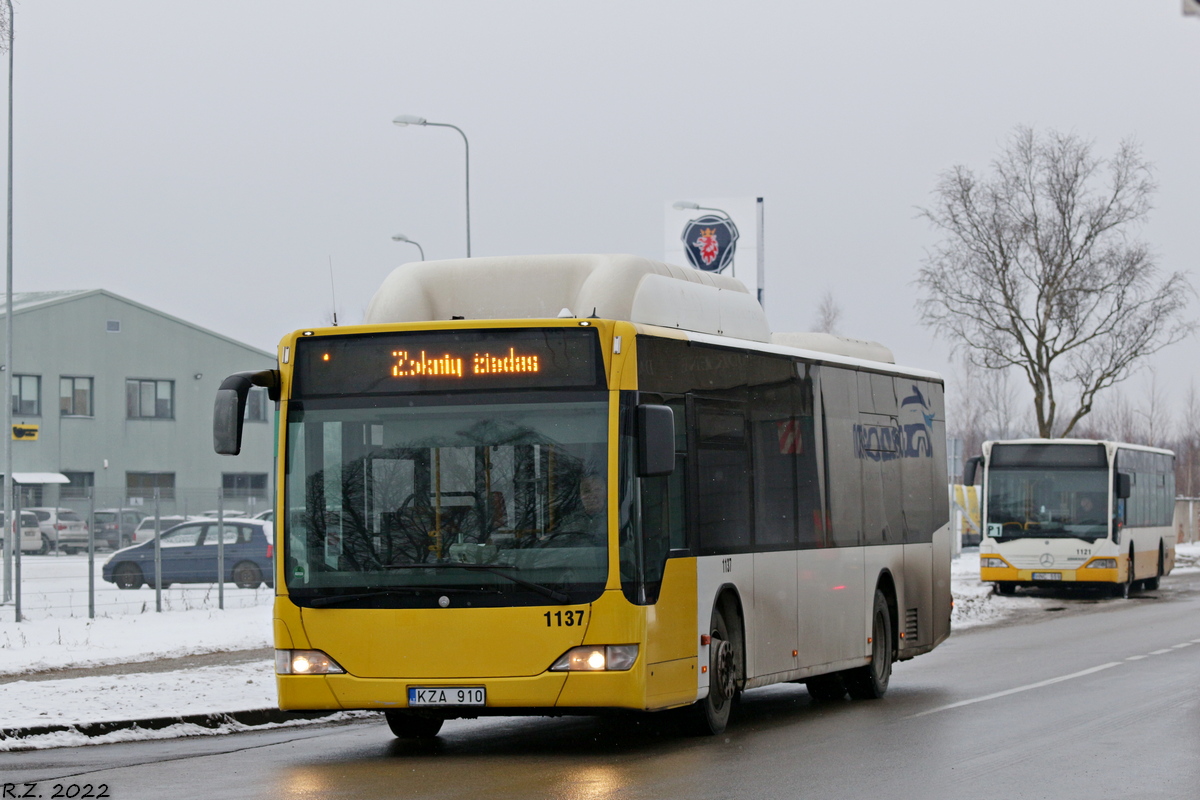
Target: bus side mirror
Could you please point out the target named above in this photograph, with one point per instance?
(655, 440)
(969, 469)
(1124, 486)
(229, 409)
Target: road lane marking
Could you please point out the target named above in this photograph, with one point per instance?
(1160, 652)
(1135, 658)
(1179, 646)
(1018, 689)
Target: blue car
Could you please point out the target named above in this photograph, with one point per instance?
(189, 555)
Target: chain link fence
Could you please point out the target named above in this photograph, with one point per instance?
(101, 554)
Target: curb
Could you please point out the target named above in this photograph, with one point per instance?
(251, 718)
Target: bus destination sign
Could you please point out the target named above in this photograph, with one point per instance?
(399, 363)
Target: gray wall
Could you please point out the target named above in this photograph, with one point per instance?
(69, 338)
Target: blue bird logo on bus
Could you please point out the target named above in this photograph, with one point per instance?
(910, 436)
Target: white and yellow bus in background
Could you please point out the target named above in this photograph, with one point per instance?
(1072, 511)
(568, 484)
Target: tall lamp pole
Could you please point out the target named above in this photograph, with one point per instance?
(400, 237)
(8, 337)
(408, 119)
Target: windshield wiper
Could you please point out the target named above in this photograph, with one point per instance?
(545, 591)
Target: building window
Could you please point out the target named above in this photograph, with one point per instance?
(27, 395)
(147, 399)
(75, 397)
(143, 484)
(256, 405)
(80, 486)
(244, 484)
(112, 326)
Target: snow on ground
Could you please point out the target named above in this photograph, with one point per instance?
(57, 633)
(58, 637)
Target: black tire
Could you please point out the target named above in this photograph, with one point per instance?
(45, 545)
(870, 682)
(710, 716)
(247, 575)
(412, 725)
(1153, 583)
(1006, 587)
(826, 688)
(128, 576)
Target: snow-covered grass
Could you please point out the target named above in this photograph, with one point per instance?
(54, 640)
(56, 586)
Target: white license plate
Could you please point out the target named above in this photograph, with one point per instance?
(1047, 576)
(447, 696)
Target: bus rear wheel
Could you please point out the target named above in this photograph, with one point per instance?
(870, 682)
(710, 716)
(1152, 583)
(409, 725)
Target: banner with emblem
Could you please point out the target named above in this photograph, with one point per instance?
(722, 235)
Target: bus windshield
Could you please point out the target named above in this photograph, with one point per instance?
(1047, 503)
(461, 500)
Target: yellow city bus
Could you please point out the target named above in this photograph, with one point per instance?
(1076, 512)
(568, 484)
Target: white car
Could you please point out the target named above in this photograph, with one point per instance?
(32, 539)
(63, 528)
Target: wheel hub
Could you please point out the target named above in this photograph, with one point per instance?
(724, 677)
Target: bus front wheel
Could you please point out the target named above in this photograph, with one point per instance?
(708, 717)
(408, 725)
(870, 682)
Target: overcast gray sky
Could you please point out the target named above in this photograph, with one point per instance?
(208, 159)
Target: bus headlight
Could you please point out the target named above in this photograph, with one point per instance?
(1102, 563)
(597, 658)
(305, 662)
(989, 562)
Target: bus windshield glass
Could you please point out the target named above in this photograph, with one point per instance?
(1046, 500)
(476, 499)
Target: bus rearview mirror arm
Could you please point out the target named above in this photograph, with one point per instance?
(229, 409)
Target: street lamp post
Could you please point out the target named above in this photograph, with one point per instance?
(400, 237)
(687, 205)
(407, 119)
(8, 338)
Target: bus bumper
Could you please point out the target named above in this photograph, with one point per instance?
(550, 690)
(1012, 575)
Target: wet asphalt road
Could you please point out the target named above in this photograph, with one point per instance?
(1098, 700)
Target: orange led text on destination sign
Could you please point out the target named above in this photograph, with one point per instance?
(451, 366)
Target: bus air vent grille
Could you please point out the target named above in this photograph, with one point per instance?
(910, 624)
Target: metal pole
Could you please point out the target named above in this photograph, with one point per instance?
(467, 146)
(157, 555)
(92, 550)
(221, 548)
(8, 338)
(17, 583)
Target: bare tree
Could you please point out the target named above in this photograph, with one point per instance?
(829, 313)
(1037, 270)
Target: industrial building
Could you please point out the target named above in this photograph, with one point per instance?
(118, 397)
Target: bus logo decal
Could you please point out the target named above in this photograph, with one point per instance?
(710, 242)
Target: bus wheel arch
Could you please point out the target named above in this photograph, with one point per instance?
(886, 584)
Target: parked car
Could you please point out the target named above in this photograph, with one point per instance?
(144, 532)
(116, 526)
(189, 555)
(32, 538)
(229, 512)
(268, 515)
(63, 527)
